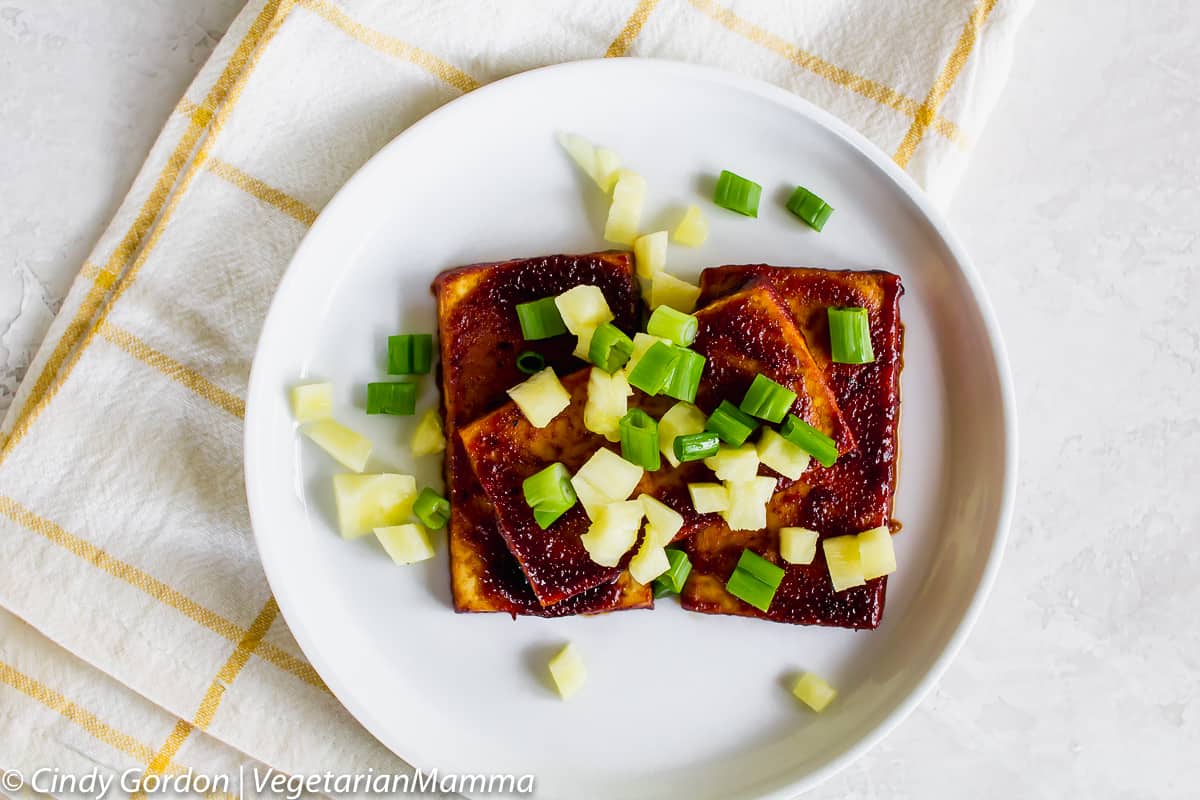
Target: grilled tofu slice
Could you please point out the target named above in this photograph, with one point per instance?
(852, 496)
(480, 339)
(748, 333)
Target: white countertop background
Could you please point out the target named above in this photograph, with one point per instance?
(1081, 209)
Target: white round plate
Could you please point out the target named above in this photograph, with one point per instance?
(676, 704)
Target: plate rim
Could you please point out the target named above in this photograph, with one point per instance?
(783, 788)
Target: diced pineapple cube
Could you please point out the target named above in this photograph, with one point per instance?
(653, 536)
(667, 290)
(844, 562)
(692, 229)
(607, 401)
(748, 503)
(590, 497)
(350, 448)
(648, 563)
(641, 343)
(605, 478)
(312, 402)
(876, 553)
(664, 519)
(583, 344)
(428, 438)
(583, 308)
(797, 545)
(781, 455)
(598, 163)
(608, 169)
(629, 194)
(613, 531)
(708, 498)
(734, 463)
(813, 691)
(568, 672)
(650, 253)
(681, 419)
(541, 398)
(366, 502)
(407, 543)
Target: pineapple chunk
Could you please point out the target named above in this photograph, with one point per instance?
(648, 563)
(748, 503)
(350, 448)
(876, 553)
(589, 496)
(613, 531)
(681, 419)
(692, 229)
(665, 520)
(407, 543)
(607, 401)
(541, 398)
(708, 498)
(734, 463)
(568, 672)
(781, 455)
(797, 545)
(605, 478)
(583, 343)
(366, 502)
(844, 562)
(629, 194)
(641, 343)
(608, 169)
(312, 402)
(428, 438)
(583, 308)
(650, 253)
(667, 290)
(598, 163)
(813, 691)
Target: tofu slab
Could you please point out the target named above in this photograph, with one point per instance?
(856, 493)
(480, 339)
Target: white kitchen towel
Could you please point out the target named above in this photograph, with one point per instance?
(147, 635)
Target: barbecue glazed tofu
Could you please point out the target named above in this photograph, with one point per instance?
(480, 338)
(743, 335)
(852, 496)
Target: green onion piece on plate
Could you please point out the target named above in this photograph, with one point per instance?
(810, 208)
(733, 425)
(432, 509)
(737, 194)
(685, 381)
(545, 517)
(850, 336)
(662, 588)
(810, 440)
(678, 573)
(667, 323)
(530, 362)
(549, 488)
(639, 440)
(696, 446)
(761, 568)
(654, 370)
(767, 400)
(410, 354)
(745, 586)
(399, 398)
(540, 319)
(610, 348)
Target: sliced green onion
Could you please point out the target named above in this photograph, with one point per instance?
(639, 440)
(410, 354)
(850, 336)
(761, 568)
(653, 371)
(685, 380)
(662, 588)
(810, 208)
(545, 517)
(810, 440)
(432, 509)
(610, 348)
(767, 400)
(398, 398)
(745, 586)
(667, 323)
(540, 319)
(737, 194)
(530, 362)
(733, 425)
(681, 567)
(549, 488)
(696, 446)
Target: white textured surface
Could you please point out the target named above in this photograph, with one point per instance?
(1081, 209)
